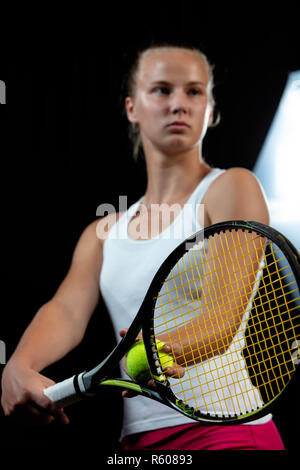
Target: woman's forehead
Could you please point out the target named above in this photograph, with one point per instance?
(172, 64)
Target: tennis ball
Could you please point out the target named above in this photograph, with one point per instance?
(137, 362)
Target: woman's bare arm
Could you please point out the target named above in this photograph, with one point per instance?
(60, 324)
(56, 329)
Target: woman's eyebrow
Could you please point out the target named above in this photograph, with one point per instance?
(196, 83)
(160, 82)
(165, 83)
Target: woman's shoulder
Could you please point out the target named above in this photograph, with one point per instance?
(236, 194)
(105, 224)
(97, 230)
(234, 179)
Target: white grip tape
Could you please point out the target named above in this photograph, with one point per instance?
(64, 393)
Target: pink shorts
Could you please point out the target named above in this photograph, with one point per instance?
(201, 437)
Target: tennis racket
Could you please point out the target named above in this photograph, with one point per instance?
(227, 302)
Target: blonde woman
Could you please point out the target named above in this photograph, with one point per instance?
(170, 106)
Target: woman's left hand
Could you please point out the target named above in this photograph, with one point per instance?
(176, 371)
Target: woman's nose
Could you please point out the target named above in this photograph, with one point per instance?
(179, 102)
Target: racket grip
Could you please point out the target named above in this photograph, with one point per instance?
(67, 392)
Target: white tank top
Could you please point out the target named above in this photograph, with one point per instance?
(128, 268)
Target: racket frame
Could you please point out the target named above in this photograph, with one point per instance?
(149, 304)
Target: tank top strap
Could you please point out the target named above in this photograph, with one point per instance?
(199, 192)
(192, 207)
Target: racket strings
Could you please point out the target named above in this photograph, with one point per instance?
(268, 347)
(196, 290)
(262, 304)
(258, 362)
(232, 363)
(238, 396)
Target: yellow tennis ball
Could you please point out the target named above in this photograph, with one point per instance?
(137, 362)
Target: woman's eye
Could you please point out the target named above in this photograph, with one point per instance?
(194, 91)
(162, 91)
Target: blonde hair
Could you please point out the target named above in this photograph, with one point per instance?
(132, 77)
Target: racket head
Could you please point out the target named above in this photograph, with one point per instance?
(265, 345)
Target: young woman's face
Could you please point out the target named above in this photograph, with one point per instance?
(172, 104)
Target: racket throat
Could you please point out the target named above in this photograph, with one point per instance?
(131, 386)
(92, 378)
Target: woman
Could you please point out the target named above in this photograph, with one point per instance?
(170, 106)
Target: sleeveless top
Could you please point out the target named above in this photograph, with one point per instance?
(128, 267)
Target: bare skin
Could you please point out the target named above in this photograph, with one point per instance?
(172, 87)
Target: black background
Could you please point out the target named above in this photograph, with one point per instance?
(64, 151)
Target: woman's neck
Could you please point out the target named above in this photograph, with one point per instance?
(173, 179)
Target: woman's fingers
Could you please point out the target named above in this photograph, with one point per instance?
(129, 394)
(175, 372)
(124, 332)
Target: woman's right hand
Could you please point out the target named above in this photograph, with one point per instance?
(23, 398)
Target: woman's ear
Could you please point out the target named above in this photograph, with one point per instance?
(130, 110)
(211, 117)
(214, 118)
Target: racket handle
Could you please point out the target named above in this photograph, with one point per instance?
(67, 392)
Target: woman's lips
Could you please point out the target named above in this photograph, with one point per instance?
(178, 125)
